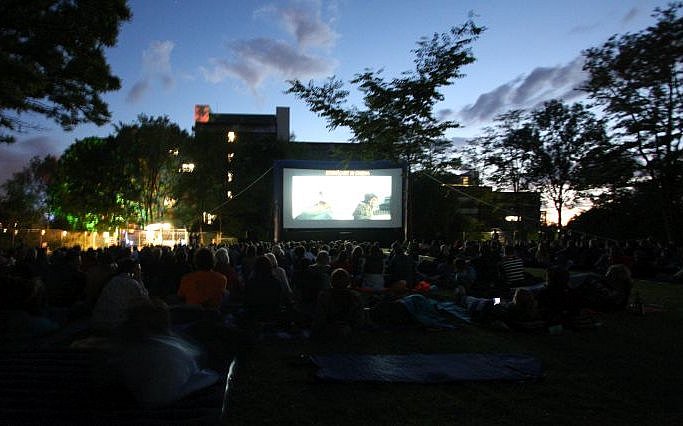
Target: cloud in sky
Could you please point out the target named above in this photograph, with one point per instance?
(256, 59)
(14, 157)
(156, 65)
(252, 61)
(138, 90)
(303, 20)
(527, 91)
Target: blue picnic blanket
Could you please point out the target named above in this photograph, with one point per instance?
(427, 368)
(425, 311)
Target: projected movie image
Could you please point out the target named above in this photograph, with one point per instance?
(341, 198)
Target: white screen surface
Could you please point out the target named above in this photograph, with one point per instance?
(318, 198)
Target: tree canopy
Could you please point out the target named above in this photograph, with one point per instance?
(565, 139)
(397, 121)
(636, 79)
(24, 198)
(561, 150)
(501, 151)
(53, 63)
(149, 151)
(127, 177)
(88, 192)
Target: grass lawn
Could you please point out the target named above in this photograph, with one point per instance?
(627, 371)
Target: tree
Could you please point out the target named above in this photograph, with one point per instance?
(128, 177)
(565, 140)
(626, 215)
(52, 60)
(89, 191)
(636, 79)
(398, 120)
(561, 150)
(24, 199)
(500, 151)
(149, 149)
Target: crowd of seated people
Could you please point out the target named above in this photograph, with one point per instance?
(332, 288)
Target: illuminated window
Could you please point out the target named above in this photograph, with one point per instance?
(229, 176)
(231, 136)
(513, 218)
(466, 180)
(173, 151)
(229, 195)
(187, 167)
(208, 218)
(231, 155)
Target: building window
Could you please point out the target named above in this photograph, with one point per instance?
(229, 194)
(229, 176)
(231, 155)
(466, 181)
(187, 167)
(208, 218)
(231, 136)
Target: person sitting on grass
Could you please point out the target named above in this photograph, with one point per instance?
(558, 300)
(204, 287)
(339, 309)
(317, 278)
(158, 367)
(401, 266)
(122, 292)
(263, 293)
(21, 308)
(373, 269)
(511, 268)
(223, 266)
(463, 274)
(281, 275)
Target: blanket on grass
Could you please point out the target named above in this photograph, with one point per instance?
(428, 312)
(427, 368)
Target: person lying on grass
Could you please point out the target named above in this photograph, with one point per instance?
(608, 293)
(523, 308)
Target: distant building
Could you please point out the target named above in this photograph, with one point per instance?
(231, 128)
(505, 210)
(234, 126)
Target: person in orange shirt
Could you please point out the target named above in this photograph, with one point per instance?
(204, 286)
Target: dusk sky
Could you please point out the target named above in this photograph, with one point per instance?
(236, 55)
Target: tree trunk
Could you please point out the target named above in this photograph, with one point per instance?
(558, 207)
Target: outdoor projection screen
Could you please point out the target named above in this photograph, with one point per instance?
(327, 198)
